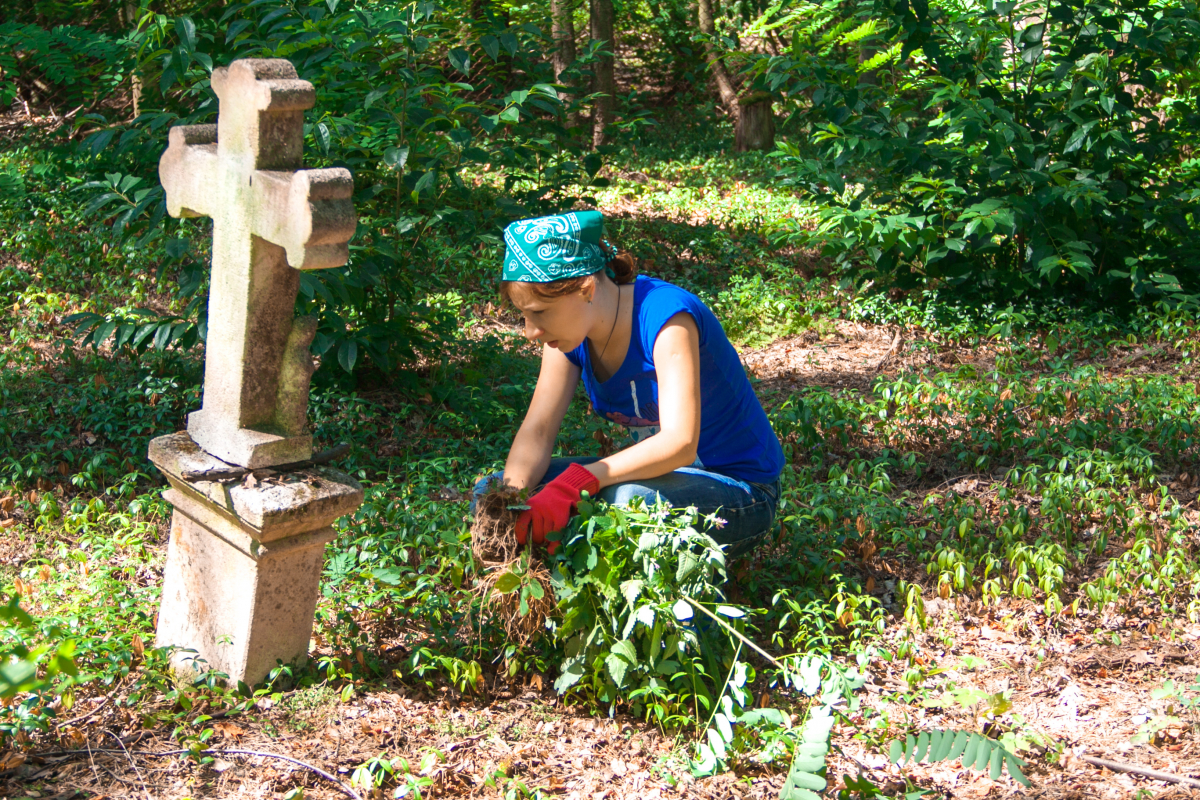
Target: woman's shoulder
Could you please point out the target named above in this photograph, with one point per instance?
(659, 301)
(656, 291)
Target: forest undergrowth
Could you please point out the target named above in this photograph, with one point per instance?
(988, 525)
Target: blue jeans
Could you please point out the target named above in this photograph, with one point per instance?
(747, 508)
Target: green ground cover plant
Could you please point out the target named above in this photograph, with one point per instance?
(1077, 518)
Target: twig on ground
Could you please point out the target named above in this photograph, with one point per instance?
(1134, 356)
(133, 764)
(92, 762)
(348, 791)
(465, 742)
(1145, 772)
(896, 342)
(82, 717)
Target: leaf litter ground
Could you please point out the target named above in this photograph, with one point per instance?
(1087, 694)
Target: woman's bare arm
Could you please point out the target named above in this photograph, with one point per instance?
(677, 363)
(529, 456)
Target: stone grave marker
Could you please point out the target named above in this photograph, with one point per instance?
(270, 219)
(244, 558)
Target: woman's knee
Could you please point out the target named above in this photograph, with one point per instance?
(622, 494)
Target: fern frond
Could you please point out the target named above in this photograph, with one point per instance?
(819, 22)
(861, 32)
(880, 59)
(833, 33)
(976, 751)
(804, 778)
(769, 19)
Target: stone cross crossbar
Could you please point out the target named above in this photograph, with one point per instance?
(270, 219)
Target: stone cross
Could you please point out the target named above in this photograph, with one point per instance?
(270, 219)
(243, 571)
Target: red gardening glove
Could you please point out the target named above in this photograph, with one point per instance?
(551, 508)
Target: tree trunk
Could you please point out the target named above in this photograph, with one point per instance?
(129, 12)
(755, 128)
(867, 51)
(563, 31)
(562, 18)
(601, 30)
(725, 87)
(753, 117)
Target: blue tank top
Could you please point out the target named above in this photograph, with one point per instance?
(736, 438)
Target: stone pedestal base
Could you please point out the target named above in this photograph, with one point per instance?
(244, 562)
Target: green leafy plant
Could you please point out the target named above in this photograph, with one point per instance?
(24, 656)
(998, 147)
(64, 65)
(973, 749)
(805, 777)
(625, 626)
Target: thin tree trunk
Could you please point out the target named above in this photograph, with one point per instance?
(755, 129)
(725, 87)
(563, 30)
(135, 80)
(867, 51)
(601, 30)
(753, 115)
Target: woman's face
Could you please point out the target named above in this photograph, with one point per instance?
(560, 322)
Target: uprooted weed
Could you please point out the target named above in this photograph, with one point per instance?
(514, 585)
(494, 528)
(518, 597)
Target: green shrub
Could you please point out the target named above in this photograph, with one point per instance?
(65, 66)
(450, 130)
(627, 627)
(1001, 148)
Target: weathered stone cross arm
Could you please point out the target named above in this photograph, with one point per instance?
(309, 213)
(244, 563)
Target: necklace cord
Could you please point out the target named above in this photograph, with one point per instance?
(616, 317)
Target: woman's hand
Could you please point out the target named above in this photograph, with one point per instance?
(550, 509)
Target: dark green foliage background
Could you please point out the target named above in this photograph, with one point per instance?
(1005, 149)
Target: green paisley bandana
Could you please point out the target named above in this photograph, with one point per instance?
(546, 249)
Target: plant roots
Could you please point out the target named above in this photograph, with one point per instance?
(494, 530)
(505, 607)
(494, 544)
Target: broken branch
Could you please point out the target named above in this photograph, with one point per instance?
(1145, 772)
(891, 351)
(349, 792)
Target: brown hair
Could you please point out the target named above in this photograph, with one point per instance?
(624, 271)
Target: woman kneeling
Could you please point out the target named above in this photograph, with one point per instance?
(654, 359)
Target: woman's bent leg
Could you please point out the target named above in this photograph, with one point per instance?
(747, 509)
